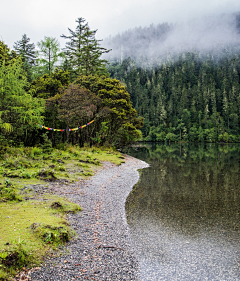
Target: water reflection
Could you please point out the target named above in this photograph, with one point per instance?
(184, 212)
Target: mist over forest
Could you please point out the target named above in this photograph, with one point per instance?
(183, 78)
(180, 83)
(156, 44)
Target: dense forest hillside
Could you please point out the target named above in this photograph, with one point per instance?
(191, 95)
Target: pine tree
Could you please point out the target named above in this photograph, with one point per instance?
(28, 54)
(84, 51)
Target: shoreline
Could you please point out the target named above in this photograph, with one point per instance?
(102, 248)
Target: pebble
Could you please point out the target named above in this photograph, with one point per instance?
(102, 248)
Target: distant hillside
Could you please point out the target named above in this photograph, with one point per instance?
(192, 93)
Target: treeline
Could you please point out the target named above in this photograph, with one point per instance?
(195, 97)
(63, 89)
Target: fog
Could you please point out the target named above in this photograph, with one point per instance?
(39, 18)
(203, 34)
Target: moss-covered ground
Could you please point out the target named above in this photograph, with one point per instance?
(32, 223)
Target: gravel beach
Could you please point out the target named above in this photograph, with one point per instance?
(102, 248)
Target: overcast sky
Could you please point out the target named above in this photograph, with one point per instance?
(39, 18)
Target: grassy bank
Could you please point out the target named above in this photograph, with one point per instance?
(32, 220)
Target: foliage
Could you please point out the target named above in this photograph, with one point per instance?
(5, 54)
(8, 192)
(51, 234)
(46, 146)
(28, 54)
(116, 109)
(101, 134)
(17, 108)
(83, 51)
(75, 106)
(48, 85)
(49, 54)
(194, 96)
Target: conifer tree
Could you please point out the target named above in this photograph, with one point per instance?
(28, 54)
(84, 51)
(17, 108)
(6, 55)
(49, 53)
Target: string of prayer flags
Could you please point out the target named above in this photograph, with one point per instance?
(62, 130)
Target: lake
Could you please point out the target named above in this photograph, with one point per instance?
(184, 213)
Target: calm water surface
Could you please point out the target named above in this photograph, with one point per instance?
(184, 214)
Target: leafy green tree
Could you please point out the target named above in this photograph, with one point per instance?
(74, 47)
(47, 85)
(28, 54)
(121, 117)
(76, 106)
(200, 134)
(193, 134)
(84, 51)
(171, 137)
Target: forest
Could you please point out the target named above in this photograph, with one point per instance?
(142, 85)
(60, 96)
(190, 95)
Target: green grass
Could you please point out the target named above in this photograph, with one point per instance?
(25, 163)
(33, 224)
(19, 236)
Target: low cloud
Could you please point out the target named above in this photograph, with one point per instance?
(202, 34)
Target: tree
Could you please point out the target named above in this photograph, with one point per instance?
(19, 111)
(28, 54)
(92, 64)
(75, 106)
(84, 51)
(121, 117)
(6, 55)
(180, 127)
(47, 85)
(49, 53)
